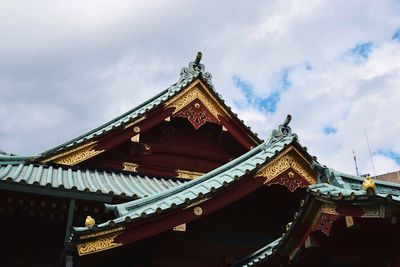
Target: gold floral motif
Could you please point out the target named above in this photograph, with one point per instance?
(197, 91)
(283, 163)
(98, 245)
(180, 228)
(188, 174)
(130, 167)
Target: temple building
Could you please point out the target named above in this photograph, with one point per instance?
(180, 180)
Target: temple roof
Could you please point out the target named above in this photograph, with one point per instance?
(333, 186)
(194, 71)
(195, 190)
(120, 184)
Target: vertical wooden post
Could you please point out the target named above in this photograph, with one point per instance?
(69, 258)
(70, 218)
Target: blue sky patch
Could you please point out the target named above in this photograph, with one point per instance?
(396, 36)
(263, 104)
(390, 154)
(330, 130)
(309, 66)
(362, 50)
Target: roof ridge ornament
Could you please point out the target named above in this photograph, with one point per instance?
(282, 132)
(194, 70)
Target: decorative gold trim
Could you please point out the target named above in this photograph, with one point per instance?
(180, 228)
(197, 90)
(198, 211)
(329, 208)
(185, 174)
(130, 167)
(285, 161)
(349, 221)
(198, 202)
(134, 122)
(103, 233)
(75, 155)
(135, 138)
(98, 245)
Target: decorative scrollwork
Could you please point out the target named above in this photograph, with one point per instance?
(282, 164)
(196, 94)
(79, 155)
(97, 245)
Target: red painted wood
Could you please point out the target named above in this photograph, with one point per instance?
(239, 134)
(118, 137)
(163, 222)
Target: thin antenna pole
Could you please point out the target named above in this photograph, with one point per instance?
(355, 162)
(370, 154)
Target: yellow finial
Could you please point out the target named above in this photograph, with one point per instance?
(89, 222)
(368, 183)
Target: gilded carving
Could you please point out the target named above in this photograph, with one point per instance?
(282, 164)
(98, 245)
(373, 212)
(195, 92)
(130, 167)
(188, 174)
(76, 155)
(329, 208)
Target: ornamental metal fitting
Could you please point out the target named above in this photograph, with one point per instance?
(283, 131)
(194, 70)
(89, 222)
(369, 184)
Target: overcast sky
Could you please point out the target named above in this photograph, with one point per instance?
(69, 66)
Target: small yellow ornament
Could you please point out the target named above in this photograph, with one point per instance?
(368, 183)
(89, 222)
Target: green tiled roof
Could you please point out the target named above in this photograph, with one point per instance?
(90, 181)
(206, 184)
(187, 75)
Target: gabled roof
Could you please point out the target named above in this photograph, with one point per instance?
(189, 74)
(123, 185)
(206, 185)
(332, 186)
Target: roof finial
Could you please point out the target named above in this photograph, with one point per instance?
(198, 57)
(287, 121)
(194, 70)
(283, 131)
